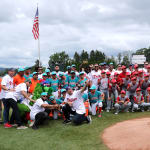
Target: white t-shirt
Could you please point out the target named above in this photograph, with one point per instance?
(78, 104)
(37, 107)
(17, 94)
(8, 82)
(40, 76)
(95, 75)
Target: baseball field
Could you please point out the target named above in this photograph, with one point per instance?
(54, 135)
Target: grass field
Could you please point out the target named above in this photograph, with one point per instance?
(57, 136)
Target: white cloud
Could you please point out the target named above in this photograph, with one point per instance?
(71, 25)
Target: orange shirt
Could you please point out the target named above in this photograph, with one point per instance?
(18, 79)
(33, 85)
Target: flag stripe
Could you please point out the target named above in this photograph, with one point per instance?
(35, 29)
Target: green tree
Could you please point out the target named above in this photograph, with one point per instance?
(119, 57)
(126, 61)
(60, 59)
(84, 56)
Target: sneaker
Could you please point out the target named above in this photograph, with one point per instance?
(7, 125)
(148, 109)
(67, 121)
(89, 119)
(116, 113)
(142, 110)
(99, 116)
(107, 110)
(14, 125)
(22, 127)
(34, 127)
(31, 124)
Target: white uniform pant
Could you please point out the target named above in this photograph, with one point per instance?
(93, 107)
(120, 107)
(140, 106)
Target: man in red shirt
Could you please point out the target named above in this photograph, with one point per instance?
(123, 73)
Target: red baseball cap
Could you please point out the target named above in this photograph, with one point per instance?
(116, 73)
(138, 89)
(136, 66)
(123, 67)
(148, 66)
(103, 72)
(113, 81)
(108, 73)
(123, 92)
(146, 75)
(128, 74)
(134, 78)
(140, 71)
(148, 89)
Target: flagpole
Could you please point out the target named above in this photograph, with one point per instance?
(39, 38)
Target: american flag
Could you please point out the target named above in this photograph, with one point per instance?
(35, 29)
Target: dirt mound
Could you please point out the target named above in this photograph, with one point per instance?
(128, 135)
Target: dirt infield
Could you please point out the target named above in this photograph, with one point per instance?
(128, 135)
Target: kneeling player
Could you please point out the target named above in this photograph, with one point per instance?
(139, 103)
(38, 113)
(74, 105)
(122, 103)
(95, 99)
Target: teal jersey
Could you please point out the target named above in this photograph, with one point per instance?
(82, 82)
(28, 77)
(58, 101)
(73, 82)
(62, 98)
(93, 98)
(63, 83)
(85, 97)
(54, 84)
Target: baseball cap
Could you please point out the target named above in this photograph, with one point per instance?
(140, 71)
(63, 90)
(44, 94)
(44, 74)
(113, 81)
(128, 74)
(111, 63)
(138, 89)
(51, 98)
(104, 63)
(34, 73)
(116, 73)
(103, 72)
(53, 73)
(47, 70)
(72, 72)
(134, 78)
(108, 73)
(73, 65)
(123, 92)
(148, 89)
(96, 65)
(81, 73)
(27, 68)
(93, 87)
(68, 67)
(20, 69)
(148, 66)
(146, 75)
(123, 67)
(61, 74)
(136, 66)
